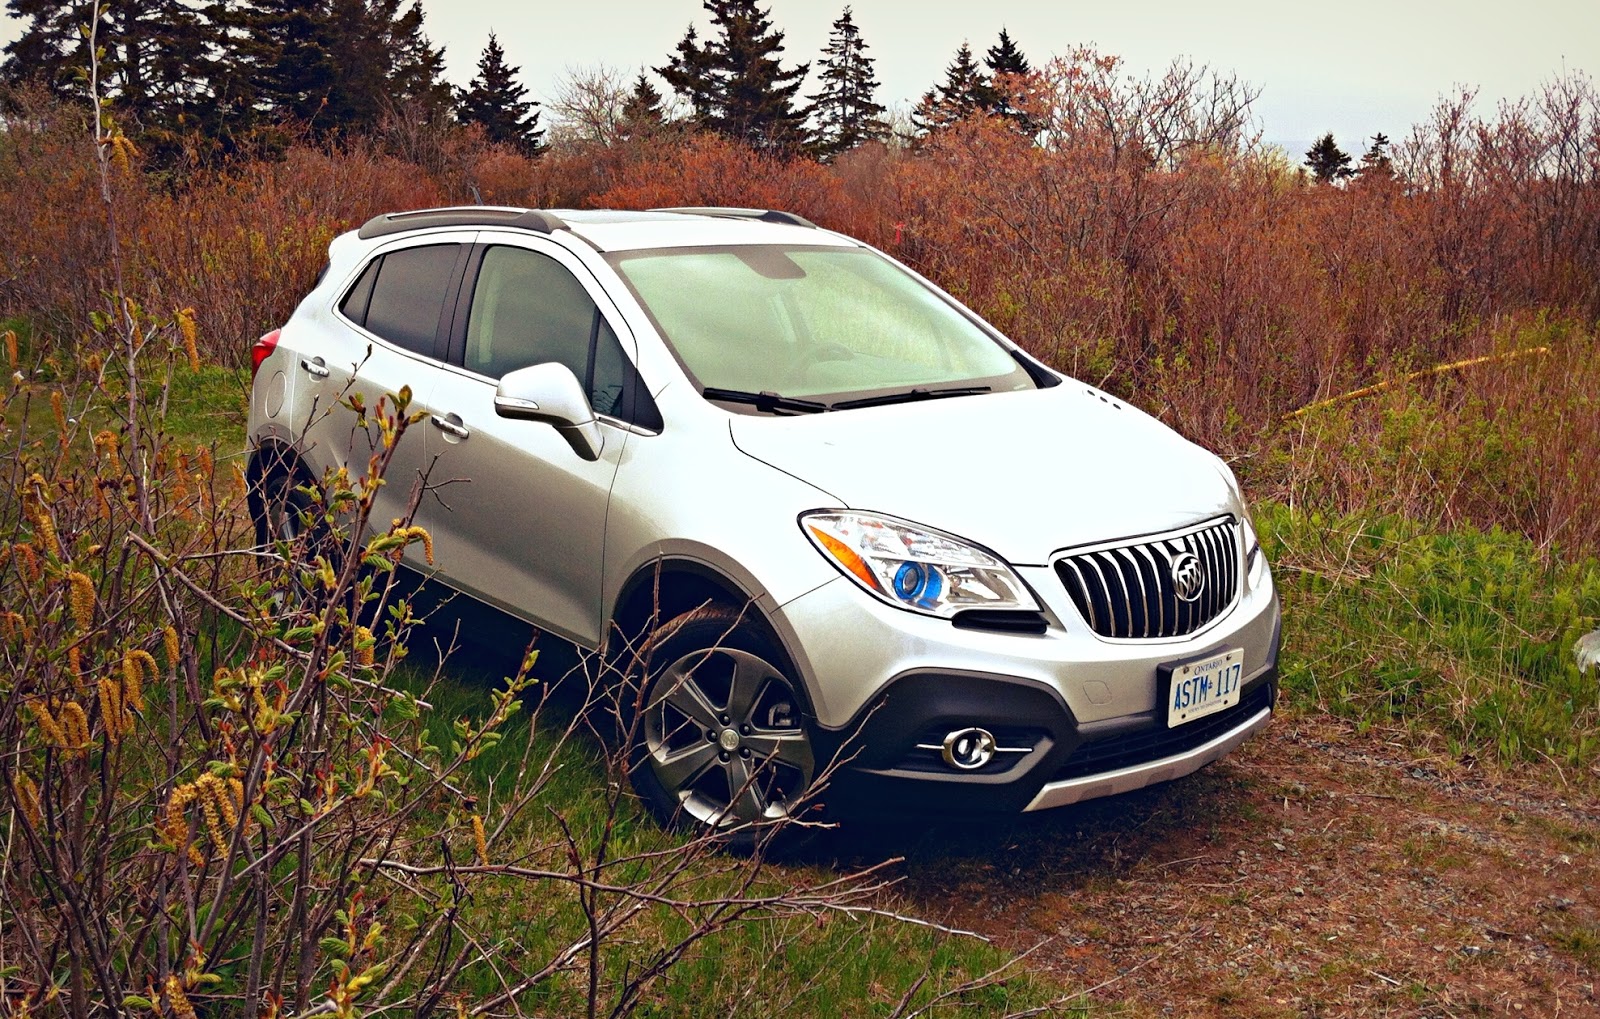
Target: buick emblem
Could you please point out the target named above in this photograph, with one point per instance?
(968, 749)
(1188, 576)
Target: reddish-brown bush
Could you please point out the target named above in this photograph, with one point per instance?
(1146, 244)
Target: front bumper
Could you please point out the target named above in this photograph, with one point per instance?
(1075, 716)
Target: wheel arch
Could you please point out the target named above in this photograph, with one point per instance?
(668, 586)
(271, 457)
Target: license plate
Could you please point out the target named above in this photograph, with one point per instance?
(1205, 687)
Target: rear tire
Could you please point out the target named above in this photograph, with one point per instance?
(721, 745)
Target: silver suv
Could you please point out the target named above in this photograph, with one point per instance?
(829, 513)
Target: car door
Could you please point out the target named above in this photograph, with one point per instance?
(518, 518)
(391, 330)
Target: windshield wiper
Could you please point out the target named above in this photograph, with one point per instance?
(767, 403)
(910, 396)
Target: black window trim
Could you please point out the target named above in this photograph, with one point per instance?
(639, 411)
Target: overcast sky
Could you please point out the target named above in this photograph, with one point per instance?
(1355, 67)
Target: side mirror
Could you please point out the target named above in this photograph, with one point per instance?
(550, 393)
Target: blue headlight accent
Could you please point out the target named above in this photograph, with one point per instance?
(908, 581)
(918, 584)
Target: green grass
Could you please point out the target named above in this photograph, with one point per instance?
(801, 966)
(1465, 636)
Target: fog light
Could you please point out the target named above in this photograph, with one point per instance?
(968, 749)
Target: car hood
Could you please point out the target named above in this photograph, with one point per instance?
(1024, 474)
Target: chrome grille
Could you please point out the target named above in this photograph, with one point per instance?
(1128, 591)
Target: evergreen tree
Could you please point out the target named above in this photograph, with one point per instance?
(690, 73)
(1327, 162)
(340, 64)
(735, 83)
(643, 116)
(1375, 163)
(963, 93)
(845, 111)
(1008, 70)
(154, 54)
(286, 67)
(495, 100)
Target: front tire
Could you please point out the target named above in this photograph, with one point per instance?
(721, 744)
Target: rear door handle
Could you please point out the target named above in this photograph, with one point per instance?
(450, 425)
(315, 367)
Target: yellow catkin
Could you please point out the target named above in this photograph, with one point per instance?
(27, 561)
(176, 996)
(12, 357)
(202, 456)
(480, 840)
(364, 643)
(58, 407)
(172, 824)
(191, 334)
(111, 710)
(28, 798)
(101, 502)
(208, 809)
(420, 534)
(13, 626)
(80, 595)
(137, 666)
(76, 723)
(37, 510)
(75, 661)
(54, 734)
(169, 643)
(107, 442)
(45, 530)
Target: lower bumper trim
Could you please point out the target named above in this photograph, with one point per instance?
(1110, 783)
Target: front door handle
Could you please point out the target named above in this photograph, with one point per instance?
(450, 425)
(315, 367)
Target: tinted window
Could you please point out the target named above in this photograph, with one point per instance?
(354, 304)
(409, 295)
(609, 387)
(528, 309)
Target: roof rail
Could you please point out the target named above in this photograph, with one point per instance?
(536, 220)
(725, 212)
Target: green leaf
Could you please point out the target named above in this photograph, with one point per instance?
(337, 947)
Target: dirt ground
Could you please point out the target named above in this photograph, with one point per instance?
(1313, 873)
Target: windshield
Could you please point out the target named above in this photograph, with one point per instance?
(824, 323)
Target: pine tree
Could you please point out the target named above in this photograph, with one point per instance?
(341, 64)
(1327, 162)
(496, 100)
(153, 55)
(643, 116)
(416, 69)
(690, 73)
(845, 111)
(963, 93)
(1008, 71)
(735, 83)
(286, 66)
(1376, 163)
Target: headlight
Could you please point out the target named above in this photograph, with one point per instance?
(914, 567)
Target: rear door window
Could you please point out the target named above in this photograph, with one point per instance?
(408, 295)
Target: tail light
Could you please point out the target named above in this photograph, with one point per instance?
(262, 350)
